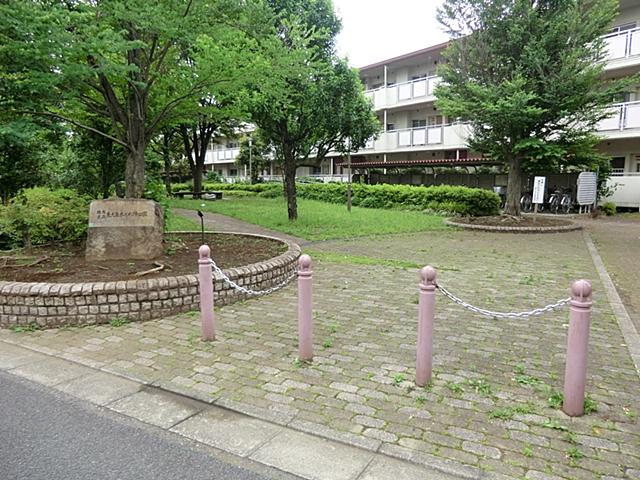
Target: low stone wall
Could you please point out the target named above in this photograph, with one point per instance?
(60, 304)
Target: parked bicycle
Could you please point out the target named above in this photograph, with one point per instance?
(560, 201)
(526, 202)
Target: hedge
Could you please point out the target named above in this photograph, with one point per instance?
(443, 198)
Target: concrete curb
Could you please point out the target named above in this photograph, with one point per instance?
(493, 228)
(627, 328)
(293, 449)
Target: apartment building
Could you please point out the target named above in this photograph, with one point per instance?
(416, 134)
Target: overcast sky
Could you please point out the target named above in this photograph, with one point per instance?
(374, 30)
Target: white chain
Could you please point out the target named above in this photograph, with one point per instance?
(489, 313)
(249, 291)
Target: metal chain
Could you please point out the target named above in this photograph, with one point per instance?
(490, 313)
(249, 291)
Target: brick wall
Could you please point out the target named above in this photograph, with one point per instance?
(58, 304)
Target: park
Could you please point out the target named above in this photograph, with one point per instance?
(290, 324)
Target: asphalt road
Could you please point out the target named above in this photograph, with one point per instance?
(50, 436)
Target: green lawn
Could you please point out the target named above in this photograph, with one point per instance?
(178, 223)
(317, 220)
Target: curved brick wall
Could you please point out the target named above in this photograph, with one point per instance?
(58, 304)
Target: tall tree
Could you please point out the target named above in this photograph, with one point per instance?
(134, 62)
(214, 117)
(527, 76)
(312, 101)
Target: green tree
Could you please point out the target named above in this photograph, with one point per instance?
(20, 157)
(527, 76)
(136, 63)
(312, 101)
(215, 117)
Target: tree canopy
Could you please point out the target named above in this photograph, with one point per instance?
(528, 78)
(312, 101)
(140, 65)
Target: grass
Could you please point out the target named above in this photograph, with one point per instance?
(31, 327)
(118, 322)
(317, 220)
(177, 223)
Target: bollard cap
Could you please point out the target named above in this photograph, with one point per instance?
(428, 275)
(204, 251)
(304, 262)
(581, 290)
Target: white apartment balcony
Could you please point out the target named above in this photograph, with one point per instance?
(623, 49)
(406, 93)
(624, 121)
(223, 155)
(435, 137)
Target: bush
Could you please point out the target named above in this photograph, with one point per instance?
(39, 215)
(213, 176)
(444, 198)
(609, 208)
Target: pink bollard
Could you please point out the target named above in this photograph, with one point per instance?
(206, 294)
(575, 375)
(426, 315)
(305, 313)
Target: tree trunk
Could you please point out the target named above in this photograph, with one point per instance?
(197, 179)
(166, 156)
(514, 187)
(290, 185)
(134, 175)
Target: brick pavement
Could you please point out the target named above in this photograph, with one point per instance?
(489, 404)
(618, 241)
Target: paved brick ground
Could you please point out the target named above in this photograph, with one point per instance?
(618, 242)
(488, 406)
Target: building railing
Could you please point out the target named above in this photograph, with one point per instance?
(622, 44)
(223, 155)
(390, 95)
(619, 172)
(624, 116)
(448, 135)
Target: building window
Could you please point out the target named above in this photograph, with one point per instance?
(419, 76)
(375, 86)
(434, 120)
(617, 164)
(233, 172)
(232, 145)
(418, 123)
(316, 170)
(391, 126)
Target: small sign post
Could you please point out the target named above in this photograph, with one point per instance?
(538, 194)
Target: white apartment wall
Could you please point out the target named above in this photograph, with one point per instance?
(628, 15)
(628, 148)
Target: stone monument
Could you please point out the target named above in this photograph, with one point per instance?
(122, 229)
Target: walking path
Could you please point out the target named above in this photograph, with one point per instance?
(491, 410)
(222, 223)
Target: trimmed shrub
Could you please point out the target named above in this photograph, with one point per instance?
(39, 215)
(443, 198)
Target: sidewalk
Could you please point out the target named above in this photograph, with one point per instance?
(491, 409)
(272, 445)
